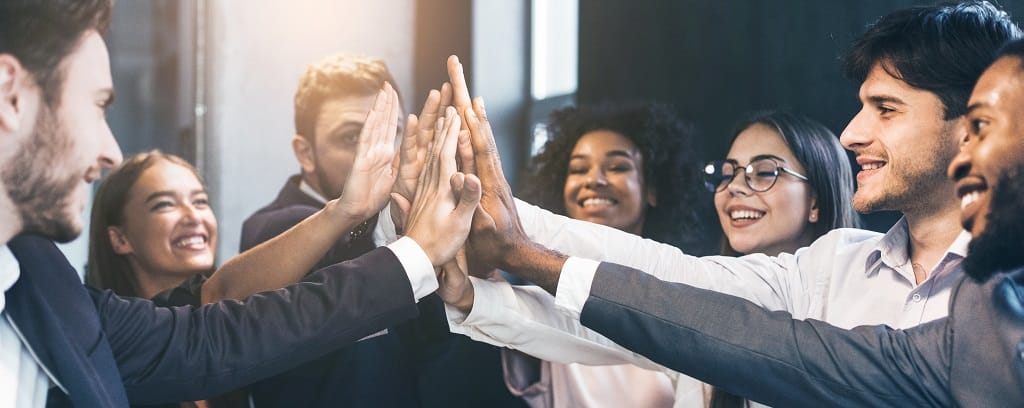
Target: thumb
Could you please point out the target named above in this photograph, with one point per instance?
(403, 205)
(469, 196)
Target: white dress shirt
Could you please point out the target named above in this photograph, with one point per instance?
(848, 277)
(23, 381)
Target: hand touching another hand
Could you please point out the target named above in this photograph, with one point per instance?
(375, 167)
(419, 133)
(445, 198)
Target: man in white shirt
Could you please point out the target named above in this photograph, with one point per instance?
(916, 68)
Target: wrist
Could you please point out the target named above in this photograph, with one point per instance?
(341, 221)
(465, 303)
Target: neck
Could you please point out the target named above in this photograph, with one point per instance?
(10, 222)
(931, 233)
(149, 284)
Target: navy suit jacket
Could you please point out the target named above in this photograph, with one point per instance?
(417, 363)
(106, 350)
(973, 358)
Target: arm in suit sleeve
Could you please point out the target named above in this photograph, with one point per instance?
(767, 356)
(186, 353)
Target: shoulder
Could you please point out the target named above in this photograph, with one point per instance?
(842, 240)
(271, 222)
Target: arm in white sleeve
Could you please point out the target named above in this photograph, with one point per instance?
(525, 318)
(417, 266)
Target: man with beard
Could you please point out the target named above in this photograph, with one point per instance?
(972, 358)
(62, 344)
(398, 366)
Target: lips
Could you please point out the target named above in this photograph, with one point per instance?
(746, 214)
(596, 202)
(869, 166)
(194, 242)
(972, 191)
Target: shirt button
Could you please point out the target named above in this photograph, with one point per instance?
(916, 297)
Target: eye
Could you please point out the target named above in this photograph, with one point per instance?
(977, 125)
(578, 169)
(882, 109)
(620, 167)
(161, 205)
(201, 202)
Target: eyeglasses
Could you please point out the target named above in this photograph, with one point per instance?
(761, 174)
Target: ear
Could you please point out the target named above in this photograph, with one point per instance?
(118, 241)
(813, 216)
(652, 197)
(12, 77)
(303, 149)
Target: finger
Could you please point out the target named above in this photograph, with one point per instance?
(404, 204)
(391, 130)
(409, 142)
(458, 180)
(446, 96)
(372, 118)
(467, 162)
(460, 91)
(431, 109)
(469, 197)
(451, 144)
(485, 152)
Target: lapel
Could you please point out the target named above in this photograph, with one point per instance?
(57, 318)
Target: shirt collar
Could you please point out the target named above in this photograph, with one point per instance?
(891, 250)
(9, 273)
(306, 188)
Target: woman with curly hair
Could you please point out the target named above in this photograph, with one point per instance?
(630, 168)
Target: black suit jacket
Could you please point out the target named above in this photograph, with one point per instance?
(106, 350)
(973, 358)
(417, 363)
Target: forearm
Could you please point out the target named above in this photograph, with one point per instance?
(282, 260)
(767, 356)
(525, 318)
(535, 263)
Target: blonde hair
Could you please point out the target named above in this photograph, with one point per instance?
(332, 77)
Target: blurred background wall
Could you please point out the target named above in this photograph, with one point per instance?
(213, 80)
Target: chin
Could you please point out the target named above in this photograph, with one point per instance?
(996, 247)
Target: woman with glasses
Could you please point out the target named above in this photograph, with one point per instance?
(631, 168)
(785, 182)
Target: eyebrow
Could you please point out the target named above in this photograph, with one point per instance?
(973, 107)
(760, 157)
(170, 194)
(611, 153)
(880, 99)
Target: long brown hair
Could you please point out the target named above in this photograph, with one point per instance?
(106, 269)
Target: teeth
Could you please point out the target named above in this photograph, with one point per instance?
(597, 202)
(872, 166)
(193, 241)
(969, 199)
(746, 215)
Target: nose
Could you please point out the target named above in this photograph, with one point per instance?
(190, 214)
(855, 136)
(960, 167)
(110, 152)
(738, 184)
(596, 178)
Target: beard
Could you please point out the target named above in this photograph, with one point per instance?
(915, 188)
(1000, 246)
(43, 199)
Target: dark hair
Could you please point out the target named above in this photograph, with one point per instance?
(941, 49)
(828, 170)
(336, 76)
(106, 269)
(669, 166)
(42, 33)
(1013, 48)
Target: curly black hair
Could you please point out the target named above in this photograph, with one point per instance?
(670, 166)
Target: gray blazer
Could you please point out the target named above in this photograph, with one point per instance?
(974, 357)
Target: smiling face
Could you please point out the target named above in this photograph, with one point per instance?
(63, 147)
(604, 184)
(774, 221)
(993, 145)
(169, 231)
(902, 143)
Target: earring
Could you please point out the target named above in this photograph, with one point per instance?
(814, 216)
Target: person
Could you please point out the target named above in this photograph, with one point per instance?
(812, 193)
(918, 66)
(971, 358)
(98, 349)
(153, 235)
(399, 366)
(627, 167)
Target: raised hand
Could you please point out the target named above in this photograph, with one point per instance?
(445, 199)
(454, 286)
(497, 239)
(375, 167)
(419, 132)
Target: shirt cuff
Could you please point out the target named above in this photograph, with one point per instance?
(384, 232)
(574, 285)
(487, 297)
(416, 265)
